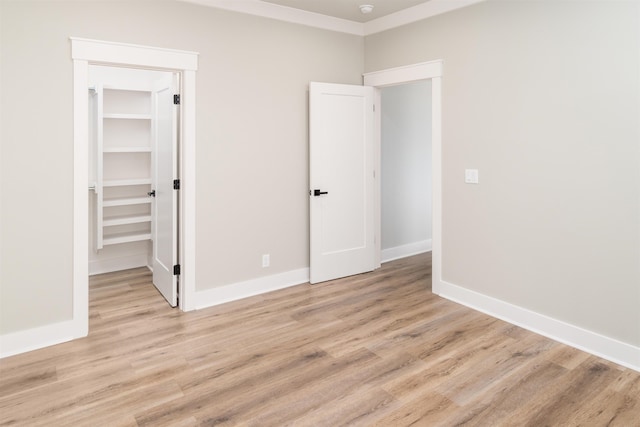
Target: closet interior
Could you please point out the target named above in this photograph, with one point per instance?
(122, 129)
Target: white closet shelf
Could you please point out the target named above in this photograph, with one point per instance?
(127, 116)
(114, 239)
(126, 150)
(123, 162)
(125, 219)
(125, 182)
(126, 87)
(126, 201)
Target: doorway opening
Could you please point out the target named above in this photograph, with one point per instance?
(86, 53)
(429, 71)
(346, 124)
(133, 153)
(405, 175)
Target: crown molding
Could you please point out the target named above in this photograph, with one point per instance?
(284, 13)
(311, 19)
(414, 14)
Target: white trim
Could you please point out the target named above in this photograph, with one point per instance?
(404, 74)
(436, 185)
(188, 192)
(236, 291)
(286, 14)
(607, 348)
(80, 204)
(101, 266)
(394, 76)
(85, 52)
(414, 14)
(316, 20)
(377, 164)
(106, 52)
(407, 250)
(32, 339)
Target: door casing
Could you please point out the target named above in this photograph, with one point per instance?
(431, 70)
(85, 52)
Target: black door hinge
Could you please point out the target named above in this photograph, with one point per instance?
(176, 270)
(176, 99)
(176, 184)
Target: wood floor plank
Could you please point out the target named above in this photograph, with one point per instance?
(507, 404)
(428, 409)
(577, 391)
(371, 349)
(355, 396)
(283, 391)
(446, 371)
(495, 365)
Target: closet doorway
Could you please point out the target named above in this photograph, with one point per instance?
(133, 173)
(85, 53)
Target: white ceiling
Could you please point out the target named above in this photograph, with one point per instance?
(349, 9)
(341, 15)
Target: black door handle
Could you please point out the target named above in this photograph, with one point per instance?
(318, 192)
(152, 193)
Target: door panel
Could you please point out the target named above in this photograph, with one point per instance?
(341, 165)
(165, 219)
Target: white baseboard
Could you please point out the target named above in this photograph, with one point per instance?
(599, 345)
(404, 251)
(236, 291)
(117, 264)
(32, 339)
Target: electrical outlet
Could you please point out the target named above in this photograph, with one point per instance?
(266, 260)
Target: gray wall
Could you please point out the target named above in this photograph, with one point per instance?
(251, 138)
(543, 98)
(406, 164)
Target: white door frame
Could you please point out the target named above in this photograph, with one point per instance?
(431, 70)
(85, 52)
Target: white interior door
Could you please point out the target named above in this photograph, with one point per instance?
(164, 217)
(342, 181)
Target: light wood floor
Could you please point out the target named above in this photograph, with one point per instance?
(374, 349)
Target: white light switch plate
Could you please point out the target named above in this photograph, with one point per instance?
(471, 176)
